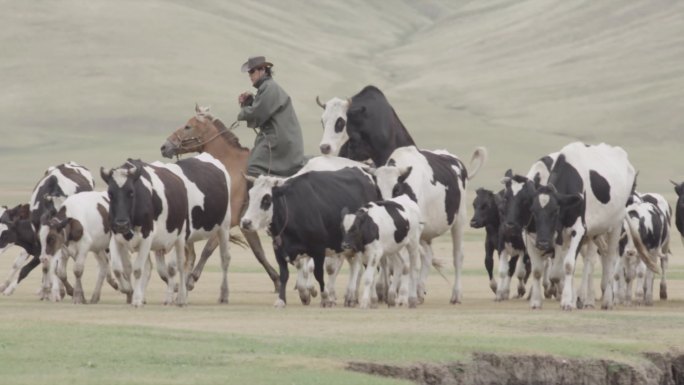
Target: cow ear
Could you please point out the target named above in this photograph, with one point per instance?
(75, 230)
(137, 171)
(569, 201)
(679, 188)
(62, 224)
(404, 173)
(22, 211)
(106, 174)
(356, 111)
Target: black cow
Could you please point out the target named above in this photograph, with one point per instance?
(489, 211)
(307, 217)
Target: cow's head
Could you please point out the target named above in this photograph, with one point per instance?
(12, 221)
(392, 181)
(549, 210)
(259, 211)
(53, 234)
(123, 184)
(359, 230)
(517, 202)
(486, 208)
(334, 120)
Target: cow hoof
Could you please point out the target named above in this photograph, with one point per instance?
(313, 291)
(580, 303)
(493, 285)
(455, 299)
(190, 284)
(94, 299)
(391, 300)
(521, 292)
(535, 306)
(413, 303)
(223, 300)
(279, 304)
(566, 307)
(364, 304)
(663, 292)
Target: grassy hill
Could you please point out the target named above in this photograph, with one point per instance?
(97, 82)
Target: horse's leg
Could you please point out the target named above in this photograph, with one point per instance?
(255, 244)
(209, 247)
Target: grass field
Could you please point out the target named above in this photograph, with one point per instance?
(249, 341)
(97, 82)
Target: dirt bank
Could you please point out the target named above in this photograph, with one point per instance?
(490, 369)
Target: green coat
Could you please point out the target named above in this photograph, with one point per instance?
(279, 147)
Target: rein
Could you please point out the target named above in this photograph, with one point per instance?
(195, 141)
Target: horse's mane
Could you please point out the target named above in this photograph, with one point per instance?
(226, 133)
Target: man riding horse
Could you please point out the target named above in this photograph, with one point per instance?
(279, 147)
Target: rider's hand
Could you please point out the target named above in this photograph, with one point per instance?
(243, 96)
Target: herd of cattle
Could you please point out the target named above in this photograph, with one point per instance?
(373, 198)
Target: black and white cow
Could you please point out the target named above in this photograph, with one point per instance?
(256, 218)
(388, 229)
(489, 211)
(80, 226)
(679, 208)
(161, 207)
(585, 198)
(438, 181)
(304, 215)
(648, 222)
(52, 189)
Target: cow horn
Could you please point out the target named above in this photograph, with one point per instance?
(348, 103)
(197, 108)
(318, 101)
(250, 179)
(673, 182)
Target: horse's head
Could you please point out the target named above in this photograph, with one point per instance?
(192, 136)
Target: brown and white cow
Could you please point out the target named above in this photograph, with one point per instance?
(80, 226)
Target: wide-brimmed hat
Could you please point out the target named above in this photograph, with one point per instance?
(255, 62)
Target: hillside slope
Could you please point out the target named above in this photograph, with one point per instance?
(97, 82)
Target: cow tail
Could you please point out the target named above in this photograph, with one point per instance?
(644, 255)
(478, 160)
(239, 240)
(438, 264)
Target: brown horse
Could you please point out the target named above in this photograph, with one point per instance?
(204, 133)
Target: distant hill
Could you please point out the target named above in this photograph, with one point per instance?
(99, 81)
